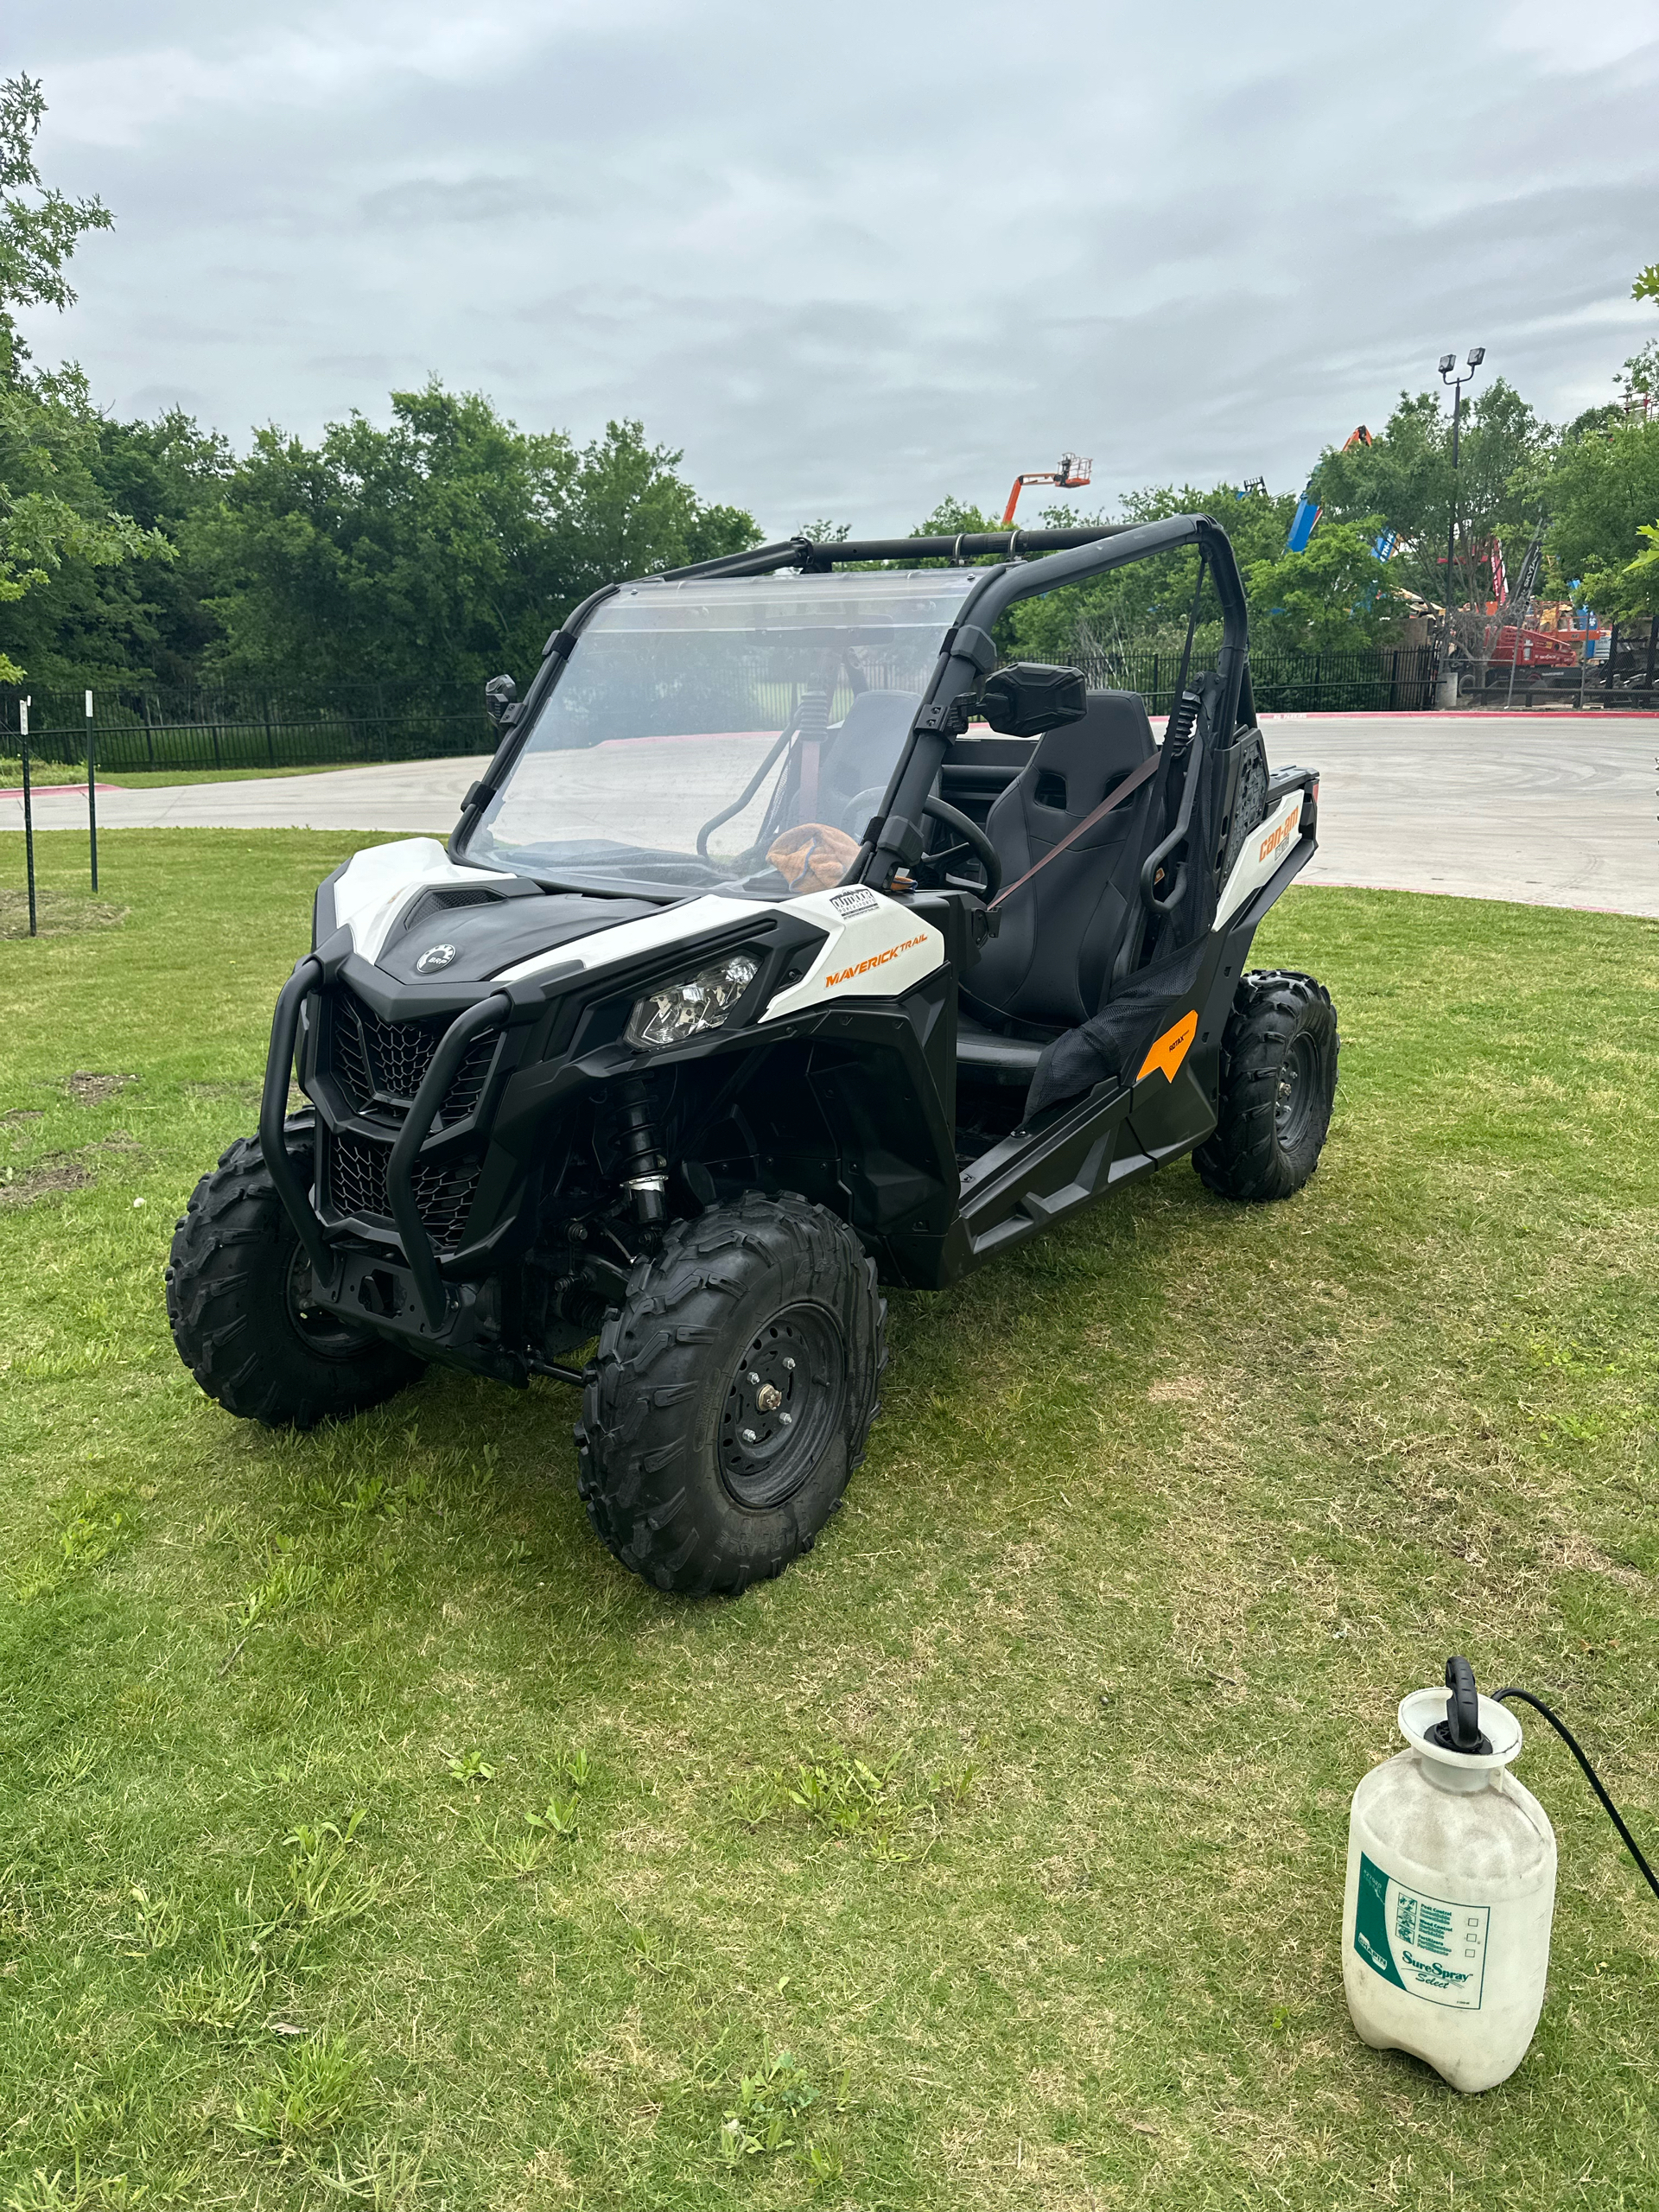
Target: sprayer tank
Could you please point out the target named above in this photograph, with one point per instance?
(1450, 1895)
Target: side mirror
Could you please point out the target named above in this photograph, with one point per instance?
(499, 695)
(1030, 696)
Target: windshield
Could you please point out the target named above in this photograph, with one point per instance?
(729, 733)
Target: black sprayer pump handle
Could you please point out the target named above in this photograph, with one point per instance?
(1462, 1707)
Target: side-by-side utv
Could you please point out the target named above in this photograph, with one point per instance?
(791, 944)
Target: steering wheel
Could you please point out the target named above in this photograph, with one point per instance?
(859, 809)
(933, 868)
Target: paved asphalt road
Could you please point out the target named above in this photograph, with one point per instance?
(1551, 808)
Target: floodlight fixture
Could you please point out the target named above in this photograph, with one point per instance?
(1477, 355)
(1448, 362)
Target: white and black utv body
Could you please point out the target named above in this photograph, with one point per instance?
(789, 945)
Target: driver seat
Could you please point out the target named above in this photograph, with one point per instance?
(1048, 966)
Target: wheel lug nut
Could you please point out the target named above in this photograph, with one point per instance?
(754, 1377)
(786, 1419)
(790, 1364)
(748, 1436)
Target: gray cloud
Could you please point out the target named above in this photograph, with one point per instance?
(854, 259)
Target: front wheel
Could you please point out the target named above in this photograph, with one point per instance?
(731, 1395)
(1278, 1084)
(238, 1296)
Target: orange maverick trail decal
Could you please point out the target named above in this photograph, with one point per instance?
(1281, 836)
(875, 960)
(1171, 1049)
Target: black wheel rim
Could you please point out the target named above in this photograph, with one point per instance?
(782, 1405)
(323, 1334)
(1299, 1080)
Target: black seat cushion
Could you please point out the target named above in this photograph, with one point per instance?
(1048, 963)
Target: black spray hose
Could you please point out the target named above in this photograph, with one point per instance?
(1590, 1775)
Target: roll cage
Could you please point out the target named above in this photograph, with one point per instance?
(896, 831)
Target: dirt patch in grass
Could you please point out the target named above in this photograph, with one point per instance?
(57, 913)
(20, 1114)
(87, 1089)
(58, 1171)
(49, 1178)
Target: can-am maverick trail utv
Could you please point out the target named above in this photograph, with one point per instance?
(789, 945)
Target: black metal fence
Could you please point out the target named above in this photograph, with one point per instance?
(248, 727)
(1375, 679)
(280, 726)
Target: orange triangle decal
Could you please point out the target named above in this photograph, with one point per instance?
(1171, 1049)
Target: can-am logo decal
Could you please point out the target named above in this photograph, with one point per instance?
(434, 957)
(875, 960)
(1281, 836)
(853, 902)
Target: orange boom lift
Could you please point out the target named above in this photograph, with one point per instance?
(1072, 471)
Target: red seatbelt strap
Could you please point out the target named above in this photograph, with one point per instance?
(1130, 785)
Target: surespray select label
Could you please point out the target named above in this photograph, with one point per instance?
(1428, 1946)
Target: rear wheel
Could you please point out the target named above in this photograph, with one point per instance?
(731, 1395)
(1278, 1084)
(240, 1297)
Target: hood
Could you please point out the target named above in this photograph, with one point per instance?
(489, 931)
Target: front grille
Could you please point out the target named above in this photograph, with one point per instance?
(357, 1184)
(397, 1053)
(382, 1062)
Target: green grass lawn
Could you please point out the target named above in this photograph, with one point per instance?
(145, 780)
(367, 1832)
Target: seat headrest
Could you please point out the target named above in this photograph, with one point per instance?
(1114, 736)
(888, 713)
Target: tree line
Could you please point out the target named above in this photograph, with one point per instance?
(442, 548)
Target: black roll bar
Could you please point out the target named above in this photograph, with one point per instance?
(896, 829)
(273, 1116)
(442, 1070)
(967, 545)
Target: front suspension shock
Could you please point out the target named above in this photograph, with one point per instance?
(645, 1171)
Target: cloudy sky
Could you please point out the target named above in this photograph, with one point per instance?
(855, 256)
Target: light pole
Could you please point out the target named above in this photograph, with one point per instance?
(1450, 374)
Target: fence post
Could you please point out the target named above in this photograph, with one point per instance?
(1612, 660)
(271, 743)
(1653, 648)
(91, 786)
(218, 763)
(149, 731)
(1154, 684)
(28, 814)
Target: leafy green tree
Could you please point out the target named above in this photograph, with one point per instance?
(1603, 492)
(1405, 478)
(442, 549)
(53, 515)
(1332, 596)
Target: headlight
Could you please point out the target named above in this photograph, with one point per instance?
(685, 1008)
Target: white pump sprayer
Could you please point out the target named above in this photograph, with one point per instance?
(1451, 1892)
(1451, 1885)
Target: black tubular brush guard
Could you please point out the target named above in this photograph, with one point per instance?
(445, 1064)
(273, 1118)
